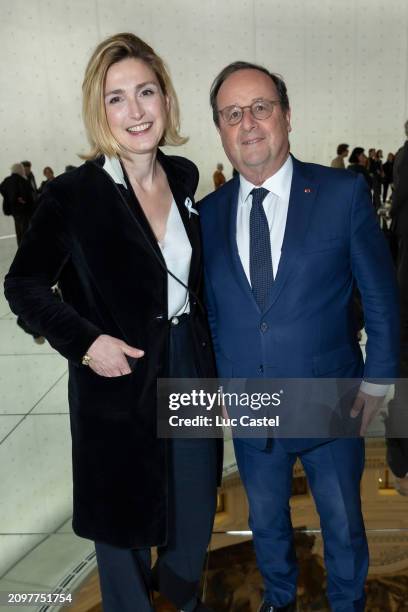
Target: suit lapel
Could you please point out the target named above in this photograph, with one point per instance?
(302, 197)
(228, 217)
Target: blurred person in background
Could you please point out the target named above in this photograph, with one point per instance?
(397, 420)
(374, 168)
(342, 153)
(49, 176)
(388, 168)
(396, 424)
(18, 199)
(397, 459)
(31, 179)
(121, 236)
(399, 229)
(218, 177)
(358, 164)
(18, 202)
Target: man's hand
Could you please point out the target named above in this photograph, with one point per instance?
(370, 405)
(108, 356)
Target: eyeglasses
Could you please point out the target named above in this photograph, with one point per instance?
(260, 109)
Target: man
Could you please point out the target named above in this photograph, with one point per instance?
(399, 157)
(18, 200)
(31, 179)
(218, 177)
(397, 448)
(283, 244)
(342, 152)
(399, 227)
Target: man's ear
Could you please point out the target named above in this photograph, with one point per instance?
(287, 119)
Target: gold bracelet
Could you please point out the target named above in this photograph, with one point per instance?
(86, 359)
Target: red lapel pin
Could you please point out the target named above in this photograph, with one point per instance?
(307, 190)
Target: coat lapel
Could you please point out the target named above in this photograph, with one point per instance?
(181, 192)
(302, 198)
(130, 201)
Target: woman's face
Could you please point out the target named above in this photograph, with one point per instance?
(362, 159)
(136, 108)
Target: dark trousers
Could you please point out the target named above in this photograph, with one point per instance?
(125, 574)
(376, 191)
(21, 223)
(334, 471)
(402, 275)
(386, 186)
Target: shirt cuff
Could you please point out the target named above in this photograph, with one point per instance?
(374, 389)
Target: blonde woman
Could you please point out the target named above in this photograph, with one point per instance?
(119, 237)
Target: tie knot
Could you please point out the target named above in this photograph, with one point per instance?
(258, 195)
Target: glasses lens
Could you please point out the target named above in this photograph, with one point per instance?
(262, 109)
(232, 114)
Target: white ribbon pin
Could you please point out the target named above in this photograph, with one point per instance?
(189, 205)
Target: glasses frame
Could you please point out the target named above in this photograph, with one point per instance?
(250, 107)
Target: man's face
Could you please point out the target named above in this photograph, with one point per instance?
(256, 148)
(27, 170)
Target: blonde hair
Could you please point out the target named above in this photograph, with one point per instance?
(109, 52)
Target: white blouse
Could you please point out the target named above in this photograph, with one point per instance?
(175, 247)
(176, 250)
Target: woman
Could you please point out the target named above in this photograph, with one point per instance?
(48, 172)
(358, 163)
(109, 232)
(388, 175)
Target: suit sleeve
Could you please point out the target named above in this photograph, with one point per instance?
(44, 252)
(375, 276)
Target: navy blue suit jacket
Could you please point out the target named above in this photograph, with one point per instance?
(332, 240)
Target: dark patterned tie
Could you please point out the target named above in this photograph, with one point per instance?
(260, 258)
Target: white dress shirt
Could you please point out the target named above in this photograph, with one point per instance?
(175, 247)
(276, 205)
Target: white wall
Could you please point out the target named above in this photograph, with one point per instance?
(345, 63)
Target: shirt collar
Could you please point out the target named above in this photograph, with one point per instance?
(279, 183)
(113, 167)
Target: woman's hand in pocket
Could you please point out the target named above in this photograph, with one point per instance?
(108, 356)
